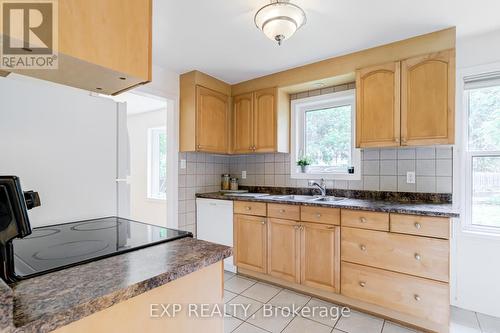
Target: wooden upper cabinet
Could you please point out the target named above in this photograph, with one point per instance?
(212, 111)
(378, 106)
(428, 99)
(284, 249)
(265, 121)
(104, 46)
(320, 256)
(204, 114)
(243, 124)
(255, 123)
(250, 242)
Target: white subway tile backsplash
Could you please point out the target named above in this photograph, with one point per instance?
(444, 152)
(371, 168)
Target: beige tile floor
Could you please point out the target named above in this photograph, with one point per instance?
(241, 290)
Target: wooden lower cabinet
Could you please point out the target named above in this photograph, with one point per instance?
(415, 296)
(320, 256)
(283, 249)
(250, 242)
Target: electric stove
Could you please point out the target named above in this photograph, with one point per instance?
(60, 246)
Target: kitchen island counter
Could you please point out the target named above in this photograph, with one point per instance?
(51, 301)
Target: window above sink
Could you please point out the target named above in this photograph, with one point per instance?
(323, 131)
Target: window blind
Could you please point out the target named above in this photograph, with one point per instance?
(483, 80)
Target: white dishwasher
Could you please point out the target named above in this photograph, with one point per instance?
(214, 223)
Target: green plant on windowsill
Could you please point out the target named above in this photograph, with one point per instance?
(304, 163)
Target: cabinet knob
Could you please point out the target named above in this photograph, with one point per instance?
(396, 140)
(363, 220)
(362, 247)
(263, 222)
(418, 225)
(296, 227)
(362, 284)
(417, 298)
(404, 141)
(198, 146)
(301, 227)
(417, 256)
(248, 208)
(282, 211)
(318, 215)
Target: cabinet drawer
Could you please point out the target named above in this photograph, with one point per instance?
(288, 212)
(250, 208)
(364, 220)
(438, 227)
(419, 297)
(419, 256)
(320, 215)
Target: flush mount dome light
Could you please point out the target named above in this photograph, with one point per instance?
(280, 19)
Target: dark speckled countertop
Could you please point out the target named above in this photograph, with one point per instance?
(44, 303)
(401, 207)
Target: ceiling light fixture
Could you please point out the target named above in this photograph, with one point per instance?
(280, 19)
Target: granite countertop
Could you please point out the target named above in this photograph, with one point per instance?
(412, 208)
(44, 303)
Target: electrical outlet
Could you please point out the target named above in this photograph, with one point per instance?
(243, 175)
(183, 164)
(410, 177)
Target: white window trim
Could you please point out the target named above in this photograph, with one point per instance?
(153, 163)
(298, 108)
(463, 157)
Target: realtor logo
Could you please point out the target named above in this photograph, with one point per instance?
(29, 34)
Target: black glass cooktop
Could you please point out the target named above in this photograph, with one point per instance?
(59, 246)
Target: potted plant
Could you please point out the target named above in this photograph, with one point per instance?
(304, 163)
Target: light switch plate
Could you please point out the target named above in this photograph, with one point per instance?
(410, 177)
(183, 164)
(243, 175)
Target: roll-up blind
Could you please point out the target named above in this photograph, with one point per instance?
(484, 80)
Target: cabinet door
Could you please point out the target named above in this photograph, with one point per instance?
(428, 99)
(320, 256)
(211, 121)
(378, 106)
(265, 120)
(243, 123)
(283, 249)
(250, 242)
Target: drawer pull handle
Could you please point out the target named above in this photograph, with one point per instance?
(417, 298)
(418, 225)
(301, 227)
(418, 256)
(363, 220)
(318, 215)
(282, 211)
(362, 247)
(362, 284)
(248, 208)
(263, 222)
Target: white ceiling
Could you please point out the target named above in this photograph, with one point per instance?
(219, 37)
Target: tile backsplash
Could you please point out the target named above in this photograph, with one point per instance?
(382, 170)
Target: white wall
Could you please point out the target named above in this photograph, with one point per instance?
(61, 142)
(166, 84)
(141, 208)
(475, 268)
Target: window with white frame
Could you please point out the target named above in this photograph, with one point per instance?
(157, 163)
(323, 130)
(482, 151)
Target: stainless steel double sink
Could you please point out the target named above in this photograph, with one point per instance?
(305, 198)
